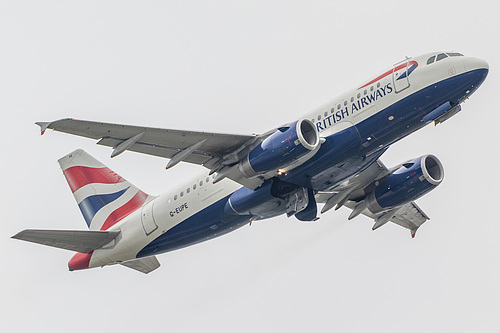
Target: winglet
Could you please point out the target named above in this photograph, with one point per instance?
(43, 126)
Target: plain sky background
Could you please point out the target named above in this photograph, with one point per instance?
(244, 67)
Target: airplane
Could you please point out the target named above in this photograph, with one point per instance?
(330, 156)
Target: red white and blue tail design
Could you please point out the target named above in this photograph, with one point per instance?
(104, 198)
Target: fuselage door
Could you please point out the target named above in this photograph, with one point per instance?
(147, 218)
(400, 75)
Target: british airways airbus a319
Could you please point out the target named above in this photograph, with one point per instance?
(330, 156)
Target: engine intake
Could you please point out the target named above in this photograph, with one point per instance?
(281, 148)
(408, 183)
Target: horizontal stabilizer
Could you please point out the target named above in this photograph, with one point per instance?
(144, 265)
(82, 241)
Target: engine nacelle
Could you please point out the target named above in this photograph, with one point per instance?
(273, 198)
(408, 183)
(260, 202)
(281, 148)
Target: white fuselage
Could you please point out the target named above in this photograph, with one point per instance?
(162, 213)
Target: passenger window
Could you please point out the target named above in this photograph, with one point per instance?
(326, 113)
(194, 187)
(206, 180)
(182, 193)
(441, 56)
(431, 60)
(333, 110)
(175, 197)
(188, 190)
(201, 183)
(319, 117)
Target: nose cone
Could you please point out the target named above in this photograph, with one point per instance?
(472, 64)
(80, 261)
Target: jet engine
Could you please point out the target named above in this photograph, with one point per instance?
(273, 198)
(260, 202)
(408, 183)
(281, 148)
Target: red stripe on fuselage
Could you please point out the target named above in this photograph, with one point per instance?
(389, 72)
(118, 214)
(79, 176)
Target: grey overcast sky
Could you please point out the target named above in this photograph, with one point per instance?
(244, 67)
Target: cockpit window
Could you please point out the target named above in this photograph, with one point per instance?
(441, 56)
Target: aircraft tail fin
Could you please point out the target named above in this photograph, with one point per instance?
(104, 197)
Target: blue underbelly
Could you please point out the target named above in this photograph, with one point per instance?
(209, 223)
(343, 155)
(404, 117)
(371, 137)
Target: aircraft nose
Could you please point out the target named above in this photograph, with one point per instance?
(471, 64)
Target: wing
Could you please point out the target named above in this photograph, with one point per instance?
(82, 241)
(409, 216)
(350, 193)
(203, 148)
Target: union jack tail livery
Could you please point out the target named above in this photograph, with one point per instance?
(103, 196)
